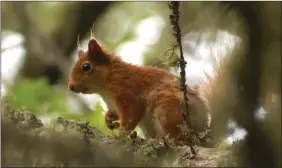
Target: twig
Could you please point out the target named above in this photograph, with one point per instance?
(11, 47)
(174, 20)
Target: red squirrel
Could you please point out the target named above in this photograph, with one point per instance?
(140, 96)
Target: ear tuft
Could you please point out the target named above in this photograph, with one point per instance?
(80, 52)
(94, 47)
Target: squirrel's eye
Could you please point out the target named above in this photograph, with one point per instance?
(86, 67)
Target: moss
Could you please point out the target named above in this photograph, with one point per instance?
(27, 142)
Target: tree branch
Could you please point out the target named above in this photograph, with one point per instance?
(81, 20)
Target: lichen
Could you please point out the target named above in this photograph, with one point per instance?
(28, 142)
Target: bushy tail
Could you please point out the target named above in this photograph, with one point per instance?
(219, 93)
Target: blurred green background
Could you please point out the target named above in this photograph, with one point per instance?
(39, 47)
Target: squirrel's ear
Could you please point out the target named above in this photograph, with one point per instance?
(96, 53)
(94, 47)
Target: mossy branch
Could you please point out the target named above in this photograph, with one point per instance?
(174, 20)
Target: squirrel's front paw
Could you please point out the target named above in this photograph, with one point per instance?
(110, 119)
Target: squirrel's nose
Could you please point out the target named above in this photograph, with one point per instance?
(71, 87)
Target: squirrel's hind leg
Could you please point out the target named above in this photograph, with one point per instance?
(130, 113)
(168, 118)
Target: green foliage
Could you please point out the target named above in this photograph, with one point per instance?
(95, 118)
(36, 95)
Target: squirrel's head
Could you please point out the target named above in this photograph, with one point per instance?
(89, 73)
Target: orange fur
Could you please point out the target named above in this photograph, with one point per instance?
(137, 96)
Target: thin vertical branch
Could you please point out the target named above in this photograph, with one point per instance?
(174, 20)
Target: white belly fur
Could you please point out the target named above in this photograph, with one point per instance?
(148, 124)
(106, 97)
